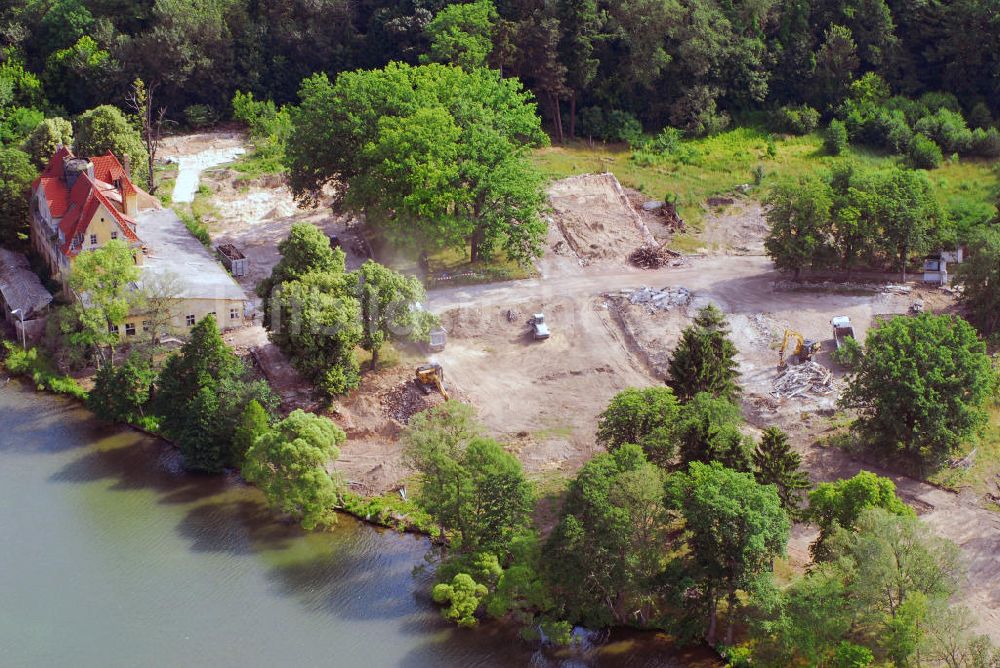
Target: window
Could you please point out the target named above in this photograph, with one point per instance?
(211, 313)
(146, 325)
(234, 313)
(129, 329)
(114, 234)
(113, 329)
(93, 239)
(189, 319)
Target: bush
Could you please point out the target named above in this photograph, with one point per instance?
(914, 110)
(611, 126)
(798, 120)
(836, 140)
(937, 100)
(200, 116)
(924, 153)
(985, 143)
(848, 355)
(980, 116)
(32, 364)
(948, 129)
(196, 227)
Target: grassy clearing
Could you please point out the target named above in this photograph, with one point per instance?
(717, 165)
(984, 475)
(256, 163)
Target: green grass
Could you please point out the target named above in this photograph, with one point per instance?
(166, 177)
(35, 365)
(389, 510)
(717, 165)
(195, 226)
(984, 474)
(259, 162)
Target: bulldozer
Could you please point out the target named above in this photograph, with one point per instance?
(430, 377)
(802, 352)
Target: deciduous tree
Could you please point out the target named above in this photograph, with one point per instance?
(603, 557)
(920, 386)
(979, 275)
(43, 141)
(462, 34)
(290, 464)
(102, 281)
(16, 175)
(104, 129)
(734, 528)
(799, 215)
(434, 155)
(645, 417)
(390, 307)
(834, 505)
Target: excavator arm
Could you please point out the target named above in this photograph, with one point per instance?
(799, 345)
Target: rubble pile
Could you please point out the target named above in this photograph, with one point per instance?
(657, 300)
(652, 257)
(809, 379)
(402, 402)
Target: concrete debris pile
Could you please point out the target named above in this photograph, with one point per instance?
(809, 379)
(657, 300)
(652, 257)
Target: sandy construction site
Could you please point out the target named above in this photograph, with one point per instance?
(613, 326)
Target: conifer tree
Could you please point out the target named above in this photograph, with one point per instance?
(777, 464)
(704, 360)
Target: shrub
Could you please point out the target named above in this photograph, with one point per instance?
(799, 120)
(848, 355)
(613, 126)
(985, 143)
(947, 128)
(980, 116)
(914, 110)
(32, 364)
(937, 100)
(924, 153)
(200, 116)
(836, 139)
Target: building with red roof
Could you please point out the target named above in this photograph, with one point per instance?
(80, 204)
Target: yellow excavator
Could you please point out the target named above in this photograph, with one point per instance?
(802, 352)
(430, 377)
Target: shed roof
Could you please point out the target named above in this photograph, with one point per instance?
(19, 285)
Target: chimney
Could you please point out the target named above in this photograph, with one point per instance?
(127, 164)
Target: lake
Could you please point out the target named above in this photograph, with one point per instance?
(114, 556)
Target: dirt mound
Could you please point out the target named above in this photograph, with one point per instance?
(403, 401)
(596, 218)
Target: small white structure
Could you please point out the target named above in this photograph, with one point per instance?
(936, 269)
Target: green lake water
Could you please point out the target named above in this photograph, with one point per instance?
(112, 556)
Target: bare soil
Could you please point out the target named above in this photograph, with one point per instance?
(256, 215)
(543, 398)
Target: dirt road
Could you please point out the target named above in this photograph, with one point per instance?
(544, 397)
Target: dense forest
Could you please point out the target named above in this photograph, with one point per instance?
(593, 65)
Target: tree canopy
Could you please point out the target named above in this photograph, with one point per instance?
(290, 464)
(16, 175)
(105, 128)
(434, 155)
(920, 386)
(705, 358)
(645, 417)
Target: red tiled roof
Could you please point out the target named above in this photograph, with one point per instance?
(77, 206)
(108, 169)
(84, 200)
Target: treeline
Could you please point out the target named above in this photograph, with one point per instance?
(678, 526)
(856, 217)
(692, 64)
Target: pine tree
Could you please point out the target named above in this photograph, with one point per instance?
(704, 360)
(200, 447)
(777, 464)
(254, 423)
